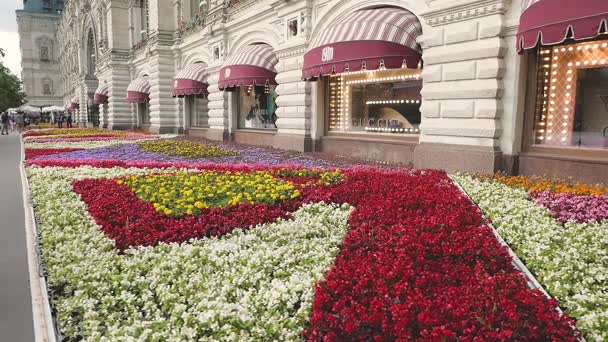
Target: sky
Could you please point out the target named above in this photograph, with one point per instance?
(9, 39)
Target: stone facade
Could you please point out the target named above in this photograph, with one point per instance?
(40, 52)
(474, 82)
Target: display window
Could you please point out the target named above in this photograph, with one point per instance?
(198, 107)
(375, 102)
(257, 107)
(572, 96)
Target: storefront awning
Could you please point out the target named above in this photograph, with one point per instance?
(101, 94)
(192, 80)
(365, 40)
(252, 65)
(138, 91)
(549, 22)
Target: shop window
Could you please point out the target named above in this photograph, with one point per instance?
(198, 110)
(143, 109)
(257, 107)
(375, 102)
(572, 96)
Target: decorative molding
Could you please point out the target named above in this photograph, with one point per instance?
(464, 12)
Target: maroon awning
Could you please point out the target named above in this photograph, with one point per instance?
(192, 80)
(73, 107)
(549, 22)
(367, 39)
(101, 94)
(359, 55)
(138, 91)
(252, 65)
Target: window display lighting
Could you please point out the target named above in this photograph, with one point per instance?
(391, 102)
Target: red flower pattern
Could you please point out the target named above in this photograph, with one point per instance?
(418, 263)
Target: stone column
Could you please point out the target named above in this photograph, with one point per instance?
(120, 115)
(218, 107)
(164, 113)
(463, 52)
(293, 103)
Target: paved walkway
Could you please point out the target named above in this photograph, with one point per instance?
(15, 301)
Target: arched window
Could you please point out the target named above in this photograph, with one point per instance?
(45, 49)
(91, 58)
(145, 18)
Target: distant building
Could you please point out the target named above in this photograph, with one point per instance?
(41, 74)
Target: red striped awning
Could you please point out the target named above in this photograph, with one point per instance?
(252, 65)
(365, 40)
(101, 94)
(192, 80)
(138, 90)
(549, 22)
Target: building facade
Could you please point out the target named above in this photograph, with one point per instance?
(458, 85)
(37, 25)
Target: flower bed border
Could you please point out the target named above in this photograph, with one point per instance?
(44, 322)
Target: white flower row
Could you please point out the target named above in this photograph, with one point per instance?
(254, 285)
(87, 144)
(570, 260)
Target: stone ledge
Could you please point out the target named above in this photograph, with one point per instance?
(453, 158)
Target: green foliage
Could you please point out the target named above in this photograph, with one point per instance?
(11, 92)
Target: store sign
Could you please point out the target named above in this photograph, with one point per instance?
(327, 54)
(227, 72)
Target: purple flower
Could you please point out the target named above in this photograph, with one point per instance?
(571, 207)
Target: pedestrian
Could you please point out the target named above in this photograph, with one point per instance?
(60, 120)
(4, 123)
(52, 119)
(19, 121)
(68, 120)
(11, 120)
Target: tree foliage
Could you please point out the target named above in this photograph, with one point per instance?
(11, 91)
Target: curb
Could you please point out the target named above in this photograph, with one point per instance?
(44, 330)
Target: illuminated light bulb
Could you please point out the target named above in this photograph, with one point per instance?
(555, 58)
(553, 87)
(548, 138)
(604, 45)
(566, 117)
(567, 101)
(578, 48)
(555, 73)
(588, 47)
(541, 138)
(569, 79)
(555, 65)
(569, 71)
(550, 123)
(568, 94)
(552, 102)
(578, 63)
(566, 109)
(570, 48)
(552, 95)
(594, 62)
(556, 50)
(550, 116)
(570, 64)
(550, 131)
(596, 46)
(564, 132)
(565, 124)
(563, 49)
(603, 61)
(568, 87)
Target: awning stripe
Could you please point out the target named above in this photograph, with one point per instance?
(103, 89)
(260, 55)
(195, 72)
(385, 24)
(140, 85)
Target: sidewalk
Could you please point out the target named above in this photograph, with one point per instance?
(15, 301)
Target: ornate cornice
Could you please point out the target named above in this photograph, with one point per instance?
(476, 9)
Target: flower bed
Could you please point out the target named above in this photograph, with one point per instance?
(143, 245)
(185, 148)
(568, 258)
(34, 153)
(76, 132)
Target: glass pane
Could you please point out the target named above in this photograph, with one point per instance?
(591, 112)
(199, 110)
(376, 102)
(257, 107)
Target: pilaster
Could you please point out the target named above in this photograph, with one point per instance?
(164, 113)
(120, 114)
(218, 107)
(463, 88)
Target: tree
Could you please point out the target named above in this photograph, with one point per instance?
(11, 91)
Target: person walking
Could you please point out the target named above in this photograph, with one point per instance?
(53, 119)
(68, 120)
(60, 119)
(19, 121)
(4, 123)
